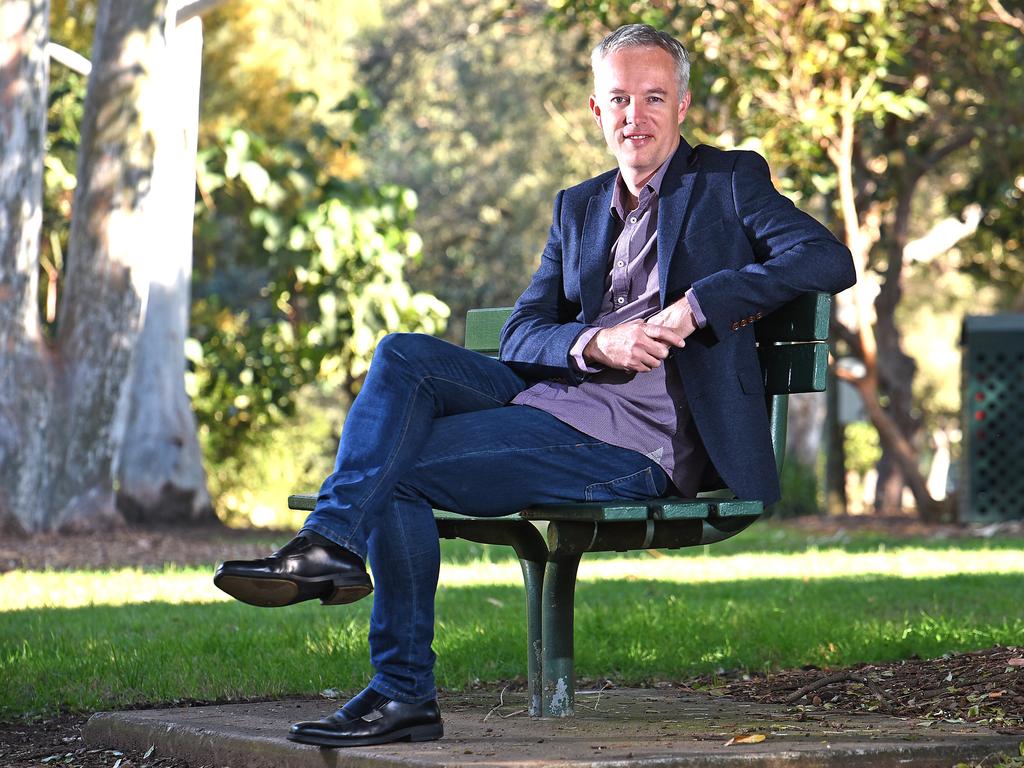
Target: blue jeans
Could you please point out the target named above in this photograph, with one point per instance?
(432, 428)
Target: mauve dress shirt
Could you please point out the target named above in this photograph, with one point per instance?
(645, 412)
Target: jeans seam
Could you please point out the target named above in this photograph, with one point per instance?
(646, 471)
(519, 451)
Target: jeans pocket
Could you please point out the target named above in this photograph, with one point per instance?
(639, 485)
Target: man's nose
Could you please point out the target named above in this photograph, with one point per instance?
(634, 112)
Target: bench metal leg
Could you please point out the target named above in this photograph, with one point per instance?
(533, 580)
(559, 675)
(532, 552)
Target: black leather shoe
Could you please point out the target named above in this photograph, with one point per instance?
(306, 568)
(372, 718)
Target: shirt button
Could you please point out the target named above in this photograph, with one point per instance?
(620, 263)
(632, 219)
(621, 300)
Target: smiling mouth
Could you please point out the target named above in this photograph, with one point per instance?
(638, 137)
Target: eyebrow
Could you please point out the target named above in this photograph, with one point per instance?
(649, 91)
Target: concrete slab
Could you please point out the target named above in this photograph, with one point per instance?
(620, 728)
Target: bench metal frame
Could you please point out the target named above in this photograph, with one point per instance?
(793, 350)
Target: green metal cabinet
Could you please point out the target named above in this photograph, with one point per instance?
(992, 462)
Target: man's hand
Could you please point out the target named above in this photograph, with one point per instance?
(633, 346)
(678, 317)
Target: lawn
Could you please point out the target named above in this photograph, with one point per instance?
(772, 598)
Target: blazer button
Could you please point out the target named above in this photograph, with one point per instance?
(735, 326)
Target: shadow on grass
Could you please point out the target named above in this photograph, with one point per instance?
(629, 630)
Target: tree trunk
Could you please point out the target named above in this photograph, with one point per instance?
(889, 489)
(25, 369)
(67, 424)
(107, 285)
(161, 477)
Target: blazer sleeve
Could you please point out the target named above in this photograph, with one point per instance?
(793, 254)
(537, 337)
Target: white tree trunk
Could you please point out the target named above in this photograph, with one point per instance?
(25, 370)
(106, 285)
(160, 473)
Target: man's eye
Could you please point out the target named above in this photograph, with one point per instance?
(655, 99)
(619, 99)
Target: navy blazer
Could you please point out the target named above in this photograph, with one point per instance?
(744, 249)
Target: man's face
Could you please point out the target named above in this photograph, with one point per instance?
(637, 103)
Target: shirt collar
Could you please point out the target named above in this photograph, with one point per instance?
(652, 187)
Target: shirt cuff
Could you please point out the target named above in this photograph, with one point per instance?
(576, 352)
(698, 314)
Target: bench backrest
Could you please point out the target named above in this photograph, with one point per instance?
(792, 344)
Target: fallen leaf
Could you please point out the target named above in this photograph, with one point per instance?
(753, 738)
(495, 602)
(149, 752)
(1017, 662)
(995, 694)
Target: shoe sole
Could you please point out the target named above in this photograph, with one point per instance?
(277, 593)
(415, 733)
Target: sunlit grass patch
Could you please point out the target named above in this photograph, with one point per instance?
(175, 585)
(93, 639)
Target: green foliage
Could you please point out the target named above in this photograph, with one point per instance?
(299, 273)
(250, 485)
(483, 112)
(64, 115)
(862, 446)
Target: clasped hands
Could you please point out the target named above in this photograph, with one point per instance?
(639, 345)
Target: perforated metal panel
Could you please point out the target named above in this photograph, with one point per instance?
(992, 486)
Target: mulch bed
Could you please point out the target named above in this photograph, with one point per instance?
(984, 687)
(57, 741)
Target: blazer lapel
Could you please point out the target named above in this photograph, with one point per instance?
(596, 245)
(676, 188)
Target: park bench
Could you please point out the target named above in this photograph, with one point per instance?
(793, 351)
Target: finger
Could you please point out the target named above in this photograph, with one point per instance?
(662, 333)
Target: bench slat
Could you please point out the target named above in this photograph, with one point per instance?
(483, 328)
(789, 368)
(803, 319)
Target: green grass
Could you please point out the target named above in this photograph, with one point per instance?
(89, 640)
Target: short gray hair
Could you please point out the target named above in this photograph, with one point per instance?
(645, 36)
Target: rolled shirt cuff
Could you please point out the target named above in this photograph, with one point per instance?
(698, 313)
(576, 351)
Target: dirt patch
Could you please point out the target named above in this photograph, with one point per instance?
(984, 687)
(137, 547)
(58, 741)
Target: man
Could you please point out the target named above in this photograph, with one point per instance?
(627, 370)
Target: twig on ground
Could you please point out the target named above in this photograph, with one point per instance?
(839, 677)
(499, 705)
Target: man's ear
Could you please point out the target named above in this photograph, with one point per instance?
(684, 106)
(595, 109)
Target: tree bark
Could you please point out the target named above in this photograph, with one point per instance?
(65, 408)
(106, 287)
(25, 366)
(161, 477)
